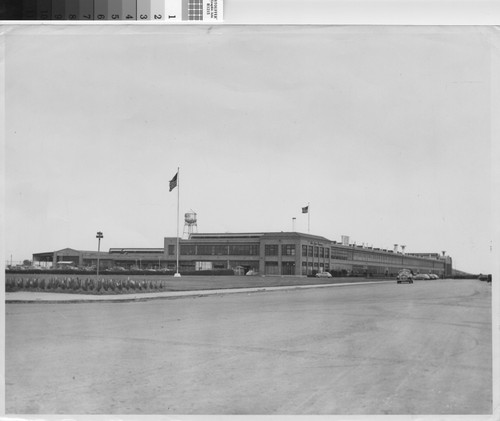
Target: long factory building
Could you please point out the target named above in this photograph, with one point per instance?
(268, 253)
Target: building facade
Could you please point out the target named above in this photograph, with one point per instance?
(268, 253)
(147, 258)
(292, 253)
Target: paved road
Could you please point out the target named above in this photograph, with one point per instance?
(366, 349)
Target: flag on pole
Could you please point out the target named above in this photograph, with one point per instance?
(173, 182)
(306, 209)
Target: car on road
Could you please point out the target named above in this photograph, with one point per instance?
(405, 275)
(486, 278)
(323, 275)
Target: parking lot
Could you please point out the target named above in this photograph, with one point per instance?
(422, 348)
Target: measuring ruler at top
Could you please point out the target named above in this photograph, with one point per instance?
(201, 11)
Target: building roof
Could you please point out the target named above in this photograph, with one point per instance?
(225, 235)
(252, 235)
(117, 250)
(73, 252)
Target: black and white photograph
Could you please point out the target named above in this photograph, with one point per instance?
(251, 220)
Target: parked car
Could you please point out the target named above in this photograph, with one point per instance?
(433, 276)
(422, 277)
(323, 275)
(486, 278)
(405, 275)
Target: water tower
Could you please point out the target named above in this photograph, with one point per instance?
(190, 223)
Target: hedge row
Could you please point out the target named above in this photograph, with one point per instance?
(218, 272)
(83, 285)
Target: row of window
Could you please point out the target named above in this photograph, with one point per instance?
(286, 249)
(367, 257)
(394, 260)
(232, 250)
(315, 251)
(326, 266)
(216, 249)
(341, 255)
(289, 250)
(307, 269)
(272, 268)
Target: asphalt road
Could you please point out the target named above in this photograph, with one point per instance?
(365, 349)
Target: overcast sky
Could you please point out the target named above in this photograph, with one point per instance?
(385, 132)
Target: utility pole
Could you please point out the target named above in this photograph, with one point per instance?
(98, 236)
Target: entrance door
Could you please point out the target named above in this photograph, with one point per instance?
(288, 268)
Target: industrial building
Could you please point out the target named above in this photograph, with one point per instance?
(293, 253)
(123, 257)
(268, 253)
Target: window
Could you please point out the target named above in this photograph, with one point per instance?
(204, 249)
(310, 251)
(321, 252)
(220, 250)
(304, 251)
(340, 254)
(244, 250)
(271, 250)
(315, 251)
(188, 249)
(327, 252)
(171, 249)
(288, 249)
(211, 250)
(271, 268)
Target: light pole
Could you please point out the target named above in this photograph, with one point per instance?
(98, 236)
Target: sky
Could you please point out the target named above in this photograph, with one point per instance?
(384, 132)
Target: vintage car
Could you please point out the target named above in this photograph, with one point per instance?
(422, 277)
(405, 275)
(323, 275)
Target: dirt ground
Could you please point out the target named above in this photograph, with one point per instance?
(424, 348)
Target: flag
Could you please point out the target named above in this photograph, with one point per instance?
(306, 209)
(173, 182)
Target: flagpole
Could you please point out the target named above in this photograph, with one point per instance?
(177, 274)
(308, 218)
